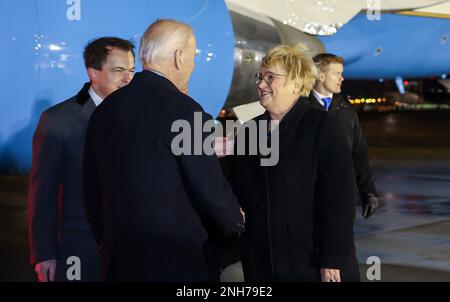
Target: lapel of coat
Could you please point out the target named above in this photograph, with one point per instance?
(86, 102)
(313, 101)
(87, 110)
(334, 102)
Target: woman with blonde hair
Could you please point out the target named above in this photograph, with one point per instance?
(299, 212)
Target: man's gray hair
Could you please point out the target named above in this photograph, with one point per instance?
(162, 38)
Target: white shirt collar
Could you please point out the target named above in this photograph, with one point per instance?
(97, 100)
(319, 96)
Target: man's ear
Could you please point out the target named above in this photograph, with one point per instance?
(92, 73)
(178, 56)
(321, 76)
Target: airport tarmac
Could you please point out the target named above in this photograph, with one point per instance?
(410, 233)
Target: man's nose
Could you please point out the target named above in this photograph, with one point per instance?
(128, 76)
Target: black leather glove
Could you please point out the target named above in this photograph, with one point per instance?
(370, 204)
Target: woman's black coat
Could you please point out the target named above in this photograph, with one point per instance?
(299, 212)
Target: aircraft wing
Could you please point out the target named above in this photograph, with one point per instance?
(325, 17)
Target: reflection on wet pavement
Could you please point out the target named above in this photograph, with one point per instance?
(411, 152)
(409, 191)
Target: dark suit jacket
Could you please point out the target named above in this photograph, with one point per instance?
(57, 222)
(349, 121)
(300, 212)
(145, 204)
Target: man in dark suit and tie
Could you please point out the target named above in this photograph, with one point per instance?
(58, 229)
(145, 201)
(326, 95)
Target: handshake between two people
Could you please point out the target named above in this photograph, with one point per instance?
(223, 146)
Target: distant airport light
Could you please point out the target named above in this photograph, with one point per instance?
(367, 101)
(400, 85)
(444, 76)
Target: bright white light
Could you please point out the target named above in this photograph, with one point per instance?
(54, 47)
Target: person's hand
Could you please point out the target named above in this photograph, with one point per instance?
(370, 204)
(330, 275)
(45, 270)
(243, 215)
(223, 146)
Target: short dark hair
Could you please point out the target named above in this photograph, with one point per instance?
(96, 52)
(323, 60)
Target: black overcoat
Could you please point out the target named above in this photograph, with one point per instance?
(145, 205)
(299, 212)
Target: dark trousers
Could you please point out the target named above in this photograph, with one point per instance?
(220, 253)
